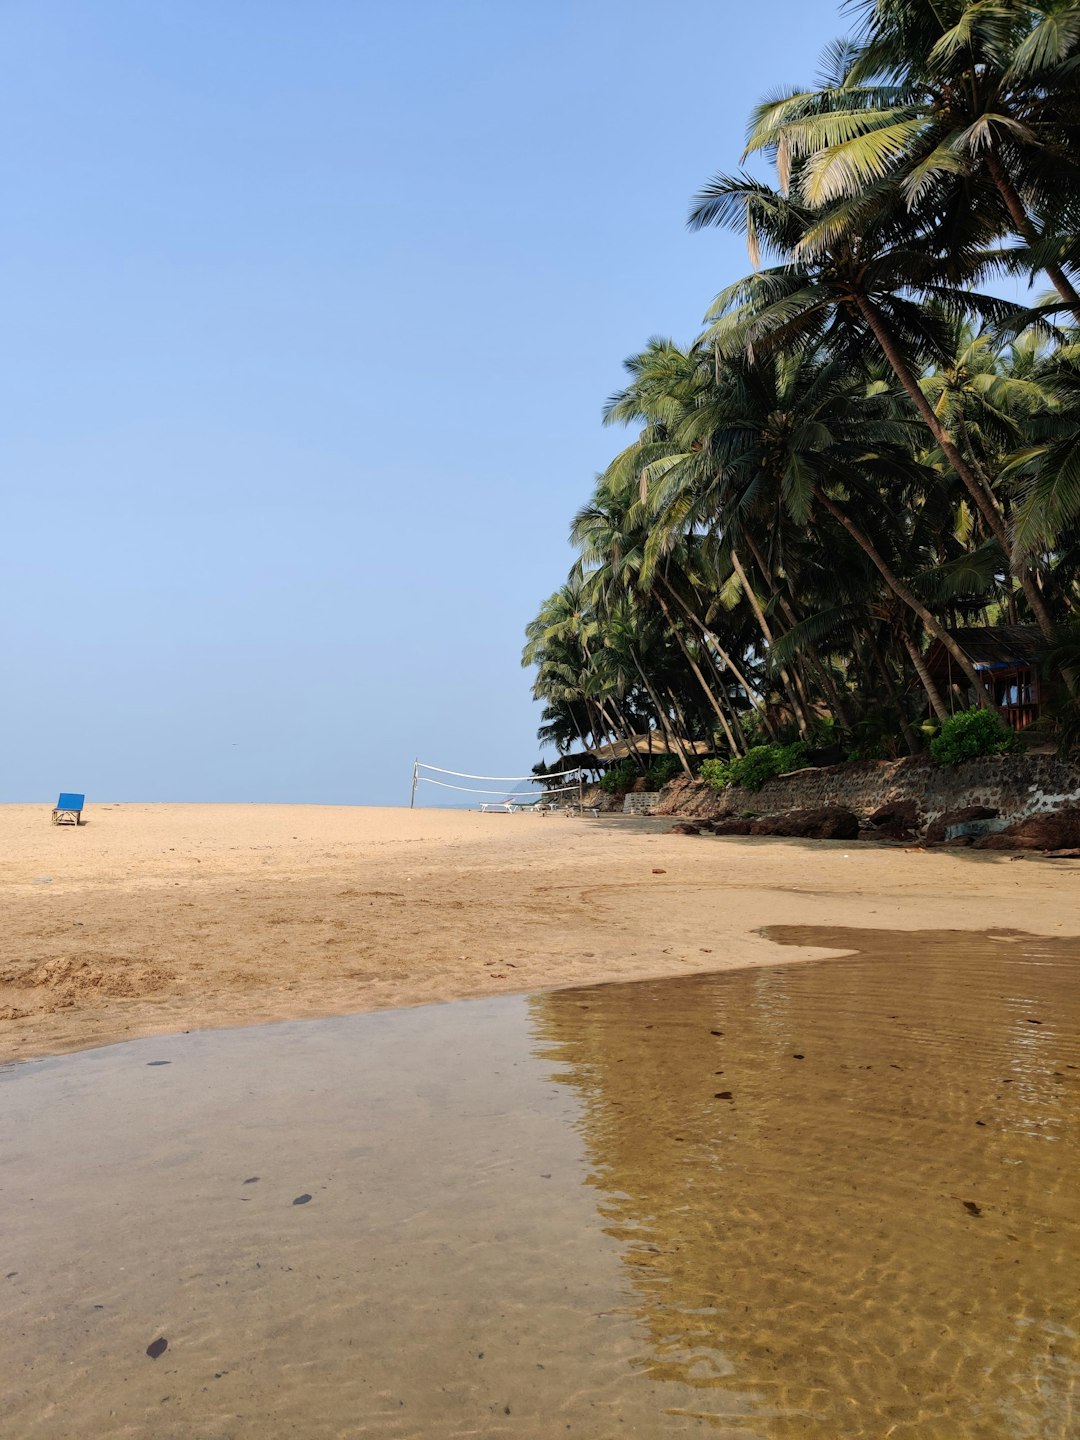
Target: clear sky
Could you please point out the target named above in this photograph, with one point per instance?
(309, 311)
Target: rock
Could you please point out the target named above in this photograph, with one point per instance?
(731, 827)
(895, 820)
(935, 831)
(1059, 830)
(958, 842)
(1002, 840)
(830, 822)
(685, 827)
(896, 816)
(888, 832)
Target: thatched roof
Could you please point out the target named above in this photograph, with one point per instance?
(651, 744)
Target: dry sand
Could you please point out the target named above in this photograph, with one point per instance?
(156, 918)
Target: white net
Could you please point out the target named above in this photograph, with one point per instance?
(510, 792)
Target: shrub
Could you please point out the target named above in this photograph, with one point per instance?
(752, 770)
(624, 776)
(717, 773)
(970, 734)
(619, 779)
(760, 764)
(660, 772)
(793, 757)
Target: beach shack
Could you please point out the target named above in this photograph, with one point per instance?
(1006, 658)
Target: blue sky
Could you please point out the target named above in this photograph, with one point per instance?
(309, 312)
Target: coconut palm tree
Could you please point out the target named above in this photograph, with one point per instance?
(972, 106)
(864, 449)
(857, 290)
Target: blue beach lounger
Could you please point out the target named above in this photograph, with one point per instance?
(69, 809)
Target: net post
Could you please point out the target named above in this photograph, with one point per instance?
(415, 777)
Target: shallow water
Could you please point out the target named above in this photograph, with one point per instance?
(822, 1200)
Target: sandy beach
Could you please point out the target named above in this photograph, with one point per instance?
(151, 919)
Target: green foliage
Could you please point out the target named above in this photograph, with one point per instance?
(623, 777)
(619, 779)
(792, 757)
(865, 448)
(717, 773)
(1060, 711)
(970, 734)
(760, 764)
(875, 736)
(660, 772)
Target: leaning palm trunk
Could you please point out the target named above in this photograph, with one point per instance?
(795, 668)
(817, 666)
(979, 492)
(722, 683)
(696, 668)
(680, 720)
(763, 626)
(599, 728)
(901, 591)
(626, 730)
(617, 725)
(894, 695)
(1026, 228)
(932, 692)
(710, 638)
(662, 718)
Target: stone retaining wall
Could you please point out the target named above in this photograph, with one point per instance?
(642, 802)
(1016, 785)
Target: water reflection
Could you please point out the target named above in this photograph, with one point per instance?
(828, 1200)
(848, 1189)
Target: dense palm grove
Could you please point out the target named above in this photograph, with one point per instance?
(867, 447)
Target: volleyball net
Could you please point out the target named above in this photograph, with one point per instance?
(508, 793)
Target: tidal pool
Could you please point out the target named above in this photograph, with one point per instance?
(819, 1200)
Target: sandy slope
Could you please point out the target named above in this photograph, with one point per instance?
(152, 918)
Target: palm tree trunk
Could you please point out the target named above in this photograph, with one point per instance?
(894, 695)
(680, 720)
(662, 717)
(604, 718)
(763, 626)
(1025, 227)
(599, 723)
(673, 627)
(777, 594)
(626, 730)
(933, 693)
(615, 724)
(979, 492)
(754, 697)
(901, 591)
(722, 684)
(751, 694)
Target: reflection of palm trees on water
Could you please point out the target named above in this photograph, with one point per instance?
(876, 1233)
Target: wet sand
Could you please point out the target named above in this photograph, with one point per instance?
(158, 918)
(796, 1203)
